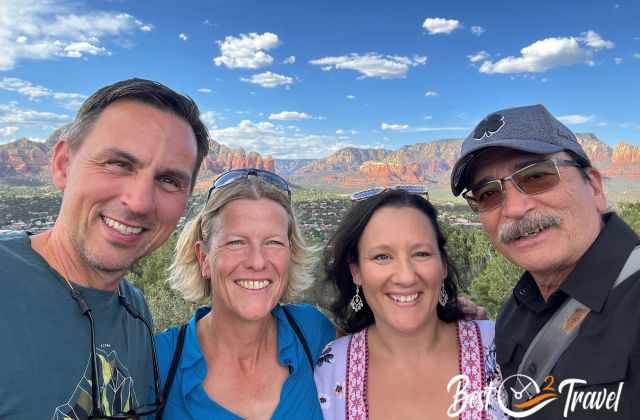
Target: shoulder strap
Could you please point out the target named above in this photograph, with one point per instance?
(172, 370)
(562, 328)
(298, 332)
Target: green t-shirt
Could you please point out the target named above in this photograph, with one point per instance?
(45, 356)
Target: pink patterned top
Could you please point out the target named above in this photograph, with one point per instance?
(341, 374)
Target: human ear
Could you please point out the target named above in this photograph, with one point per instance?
(203, 262)
(60, 163)
(355, 273)
(597, 189)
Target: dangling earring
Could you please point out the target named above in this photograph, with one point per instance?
(444, 297)
(356, 300)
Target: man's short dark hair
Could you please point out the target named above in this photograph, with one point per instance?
(145, 91)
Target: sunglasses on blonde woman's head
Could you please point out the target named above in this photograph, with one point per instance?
(372, 192)
(234, 175)
(533, 179)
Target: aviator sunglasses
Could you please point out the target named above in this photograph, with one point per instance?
(236, 174)
(372, 192)
(533, 179)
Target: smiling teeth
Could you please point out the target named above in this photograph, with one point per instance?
(123, 229)
(404, 298)
(253, 284)
(532, 233)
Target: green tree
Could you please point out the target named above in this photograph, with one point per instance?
(630, 212)
(494, 284)
(150, 275)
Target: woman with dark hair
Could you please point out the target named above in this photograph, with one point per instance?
(409, 354)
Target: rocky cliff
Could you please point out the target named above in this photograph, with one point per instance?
(24, 158)
(346, 160)
(349, 167)
(28, 161)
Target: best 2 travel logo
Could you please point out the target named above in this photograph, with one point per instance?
(528, 398)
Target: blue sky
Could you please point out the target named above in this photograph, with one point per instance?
(301, 79)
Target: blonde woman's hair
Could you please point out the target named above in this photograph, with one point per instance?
(185, 275)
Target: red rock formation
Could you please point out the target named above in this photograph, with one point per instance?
(345, 160)
(24, 158)
(624, 153)
(599, 153)
(28, 160)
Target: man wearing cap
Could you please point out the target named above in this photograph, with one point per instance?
(570, 331)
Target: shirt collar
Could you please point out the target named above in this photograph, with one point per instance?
(193, 358)
(591, 280)
(597, 270)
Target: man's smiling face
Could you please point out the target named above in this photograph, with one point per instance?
(126, 185)
(575, 204)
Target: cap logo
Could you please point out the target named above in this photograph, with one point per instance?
(489, 126)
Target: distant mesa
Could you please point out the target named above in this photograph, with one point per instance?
(26, 162)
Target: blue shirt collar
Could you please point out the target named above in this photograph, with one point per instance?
(289, 354)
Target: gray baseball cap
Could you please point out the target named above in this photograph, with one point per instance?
(529, 129)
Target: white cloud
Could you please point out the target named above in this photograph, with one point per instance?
(428, 117)
(205, 90)
(23, 87)
(440, 25)
(289, 115)
(575, 119)
(550, 53)
(8, 131)
(12, 114)
(407, 129)
(210, 119)
(618, 60)
(278, 141)
(430, 129)
(183, 36)
(540, 57)
(594, 40)
(371, 64)
(289, 60)
(431, 93)
(339, 131)
(477, 30)
(77, 49)
(55, 28)
(350, 97)
(268, 79)
(479, 56)
(246, 51)
(393, 127)
(636, 55)
(146, 28)
(70, 101)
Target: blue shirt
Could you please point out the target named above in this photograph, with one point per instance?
(299, 400)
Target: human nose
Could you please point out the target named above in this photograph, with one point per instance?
(256, 259)
(515, 203)
(139, 195)
(405, 273)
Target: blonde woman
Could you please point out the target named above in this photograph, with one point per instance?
(249, 354)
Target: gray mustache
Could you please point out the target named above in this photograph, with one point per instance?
(535, 221)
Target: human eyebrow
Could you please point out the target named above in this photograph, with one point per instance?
(526, 163)
(114, 152)
(182, 177)
(516, 167)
